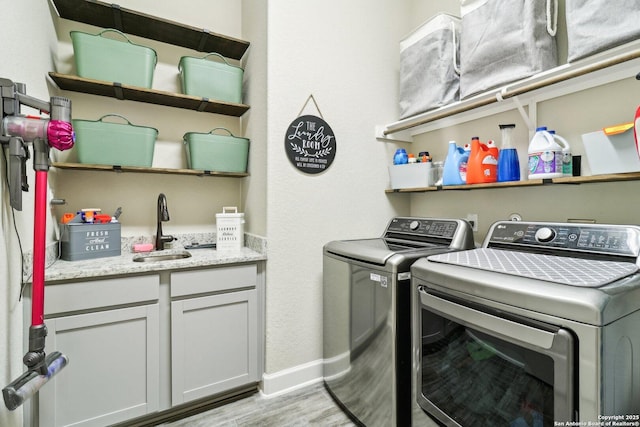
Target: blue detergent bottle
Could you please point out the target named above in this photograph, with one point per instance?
(400, 157)
(457, 157)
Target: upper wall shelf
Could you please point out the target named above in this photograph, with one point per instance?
(151, 96)
(107, 15)
(613, 65)
(631, 176)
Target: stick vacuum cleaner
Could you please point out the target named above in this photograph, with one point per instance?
(56, 132)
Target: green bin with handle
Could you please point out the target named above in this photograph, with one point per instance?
(211, 79)
(216, 153)
(101, 58)
(117, 144)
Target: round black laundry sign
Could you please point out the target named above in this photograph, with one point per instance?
(310, 144)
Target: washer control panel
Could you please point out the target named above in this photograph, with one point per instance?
(423, 227)
(608, 239)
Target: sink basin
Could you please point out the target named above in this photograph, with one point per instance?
(162, 257)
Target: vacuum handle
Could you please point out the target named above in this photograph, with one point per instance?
(18, 155)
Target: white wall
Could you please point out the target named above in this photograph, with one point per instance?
(26, 56)
(254, 121)
(345, 54)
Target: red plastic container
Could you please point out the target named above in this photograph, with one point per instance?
(483, 162)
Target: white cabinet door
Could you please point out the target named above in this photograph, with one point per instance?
(113, 369)
(213, 344)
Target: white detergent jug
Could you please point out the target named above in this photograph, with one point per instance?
(545, 155)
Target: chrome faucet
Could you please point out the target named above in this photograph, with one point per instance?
(163, 215)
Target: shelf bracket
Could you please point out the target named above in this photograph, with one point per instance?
(203, 104)
(402, 136)
(117, 17)
(117, 90)
(203, 40)
(529, 118)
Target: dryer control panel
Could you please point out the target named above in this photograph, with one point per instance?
(423, 227)
(620, 240)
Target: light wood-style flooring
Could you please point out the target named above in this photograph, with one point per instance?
(310, 406)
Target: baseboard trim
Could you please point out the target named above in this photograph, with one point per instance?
(291, 379)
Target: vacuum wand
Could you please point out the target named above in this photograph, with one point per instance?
(56, 132)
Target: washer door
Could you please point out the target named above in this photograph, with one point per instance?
(488, 369)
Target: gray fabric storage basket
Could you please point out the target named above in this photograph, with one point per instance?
(597, 25)
(429, 75)
(502, 41)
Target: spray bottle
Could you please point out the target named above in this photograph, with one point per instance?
(508, 163)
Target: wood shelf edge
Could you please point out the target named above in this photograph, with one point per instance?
(138, 169)
(151, 96)
(411, 190)
(108, 15)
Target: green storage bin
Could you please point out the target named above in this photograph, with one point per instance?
(116, 144)
(102, 58)
(216, 153)
(209, 79)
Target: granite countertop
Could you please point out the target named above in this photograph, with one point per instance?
(60, 270)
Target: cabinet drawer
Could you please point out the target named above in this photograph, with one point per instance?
(213, 280)
(86, 295)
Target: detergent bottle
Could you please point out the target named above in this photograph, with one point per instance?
(400, 157)
(464, 162)
(545, 156)
(452, 165)
(508, 163)
(483, 162)
(567, 158)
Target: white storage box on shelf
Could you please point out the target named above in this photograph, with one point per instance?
(612, 150)
(502, 41)
(415, 175)
(597, 25)
(429, 68)
(229, 230)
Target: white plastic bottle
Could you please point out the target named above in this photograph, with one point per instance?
(567, 158)
(545, 156)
